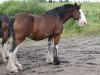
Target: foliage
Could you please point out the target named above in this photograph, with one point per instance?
(12, 7)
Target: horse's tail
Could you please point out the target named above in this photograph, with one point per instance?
(10, 27)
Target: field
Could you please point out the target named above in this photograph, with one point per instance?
(79, 48)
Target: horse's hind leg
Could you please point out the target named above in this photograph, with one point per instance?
(6, 47)
(49, 56)
(13, 64)
(56, 60)
(2, 56)
(4, 53)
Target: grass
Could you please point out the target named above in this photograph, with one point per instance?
(92, 13)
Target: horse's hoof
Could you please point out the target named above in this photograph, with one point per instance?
(19, 66)
(12, 69)
(3, 61)
(49, 60)
(56, 61)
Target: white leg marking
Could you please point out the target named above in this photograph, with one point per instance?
(2, 56)
(19, 66)
(6, 47)
(57, 47)
(3, 53)
(49, 56)
(55, 50)
(13, 64)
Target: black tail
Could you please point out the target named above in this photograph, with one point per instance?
(10, 27)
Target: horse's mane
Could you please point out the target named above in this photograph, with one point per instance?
(60, 11)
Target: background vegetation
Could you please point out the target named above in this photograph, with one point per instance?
(91, 11)
(11, 7)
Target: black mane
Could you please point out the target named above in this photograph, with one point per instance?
(61, 11)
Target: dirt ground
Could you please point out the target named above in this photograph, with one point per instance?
(79, 56)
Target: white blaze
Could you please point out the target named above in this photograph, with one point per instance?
(82, 19)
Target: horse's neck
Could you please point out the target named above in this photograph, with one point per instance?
(66, 17)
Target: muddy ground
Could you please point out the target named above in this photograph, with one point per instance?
(79, 56)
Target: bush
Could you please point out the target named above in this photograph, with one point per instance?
(72, 25)
(10, 8)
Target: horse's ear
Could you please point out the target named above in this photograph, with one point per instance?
(80, 4)
(75, 4)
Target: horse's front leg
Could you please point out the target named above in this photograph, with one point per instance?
(56, 60)
(52, 56)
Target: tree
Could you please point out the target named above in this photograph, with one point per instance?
(42, 0)
(66, 1)
(60, 0)
(50, 1)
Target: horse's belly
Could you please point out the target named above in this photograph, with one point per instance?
(38, 36)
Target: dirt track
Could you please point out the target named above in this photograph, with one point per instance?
(79, 56)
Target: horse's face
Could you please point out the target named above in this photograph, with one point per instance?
(78, 15)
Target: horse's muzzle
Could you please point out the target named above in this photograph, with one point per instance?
(81, 22)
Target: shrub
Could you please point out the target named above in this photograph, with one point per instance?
(12, 7)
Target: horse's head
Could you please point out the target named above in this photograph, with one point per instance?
(78, 15)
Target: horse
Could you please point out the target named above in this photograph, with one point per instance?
(38, 27)
(4, 22)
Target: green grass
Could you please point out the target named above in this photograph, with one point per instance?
(92, 13)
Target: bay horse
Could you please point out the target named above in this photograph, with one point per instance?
(38, 27)
(4, 22)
